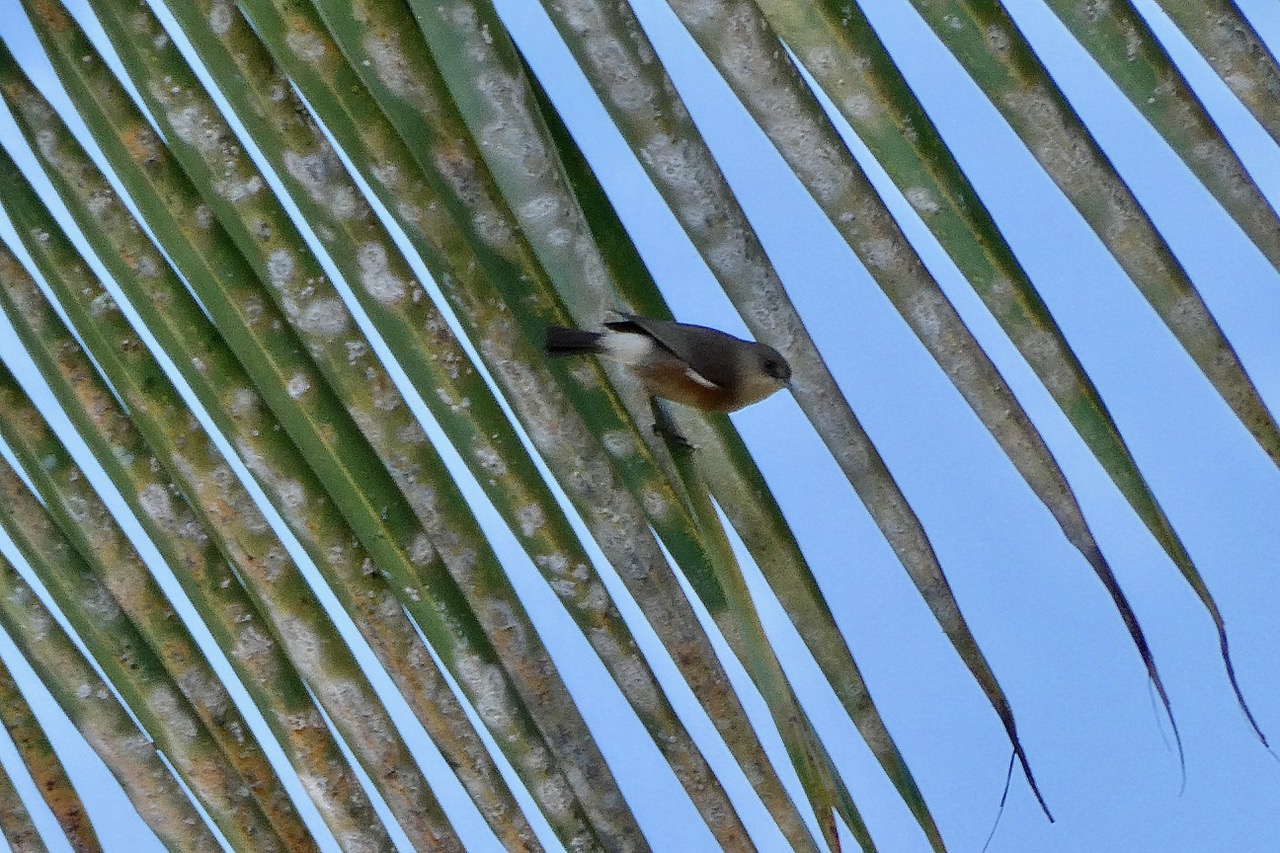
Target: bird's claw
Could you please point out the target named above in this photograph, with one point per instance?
(665, 428)
(667, 432)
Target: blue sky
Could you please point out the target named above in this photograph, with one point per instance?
(1090, 724)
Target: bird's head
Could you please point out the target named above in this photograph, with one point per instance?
(772, 364)
(766, 373)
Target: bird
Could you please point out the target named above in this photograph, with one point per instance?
(695, 365)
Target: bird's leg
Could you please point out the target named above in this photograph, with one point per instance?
(664, 426)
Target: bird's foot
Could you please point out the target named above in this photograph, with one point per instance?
(664, 427)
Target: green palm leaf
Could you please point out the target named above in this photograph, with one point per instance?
(292, 446)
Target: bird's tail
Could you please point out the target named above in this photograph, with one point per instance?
(561, 340)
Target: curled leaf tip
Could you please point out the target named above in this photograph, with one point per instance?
(1004, 798)
(1031, 779)
(1235, 687)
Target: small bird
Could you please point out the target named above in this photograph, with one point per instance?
(701, 367)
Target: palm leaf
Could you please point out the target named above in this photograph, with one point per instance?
(1229, 43)
(1120, 40)
(48, 774)
(91, 703)
(288, 277)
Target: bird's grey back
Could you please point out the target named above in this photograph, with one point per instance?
(716, 355)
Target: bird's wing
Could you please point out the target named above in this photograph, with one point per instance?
(710, 366)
